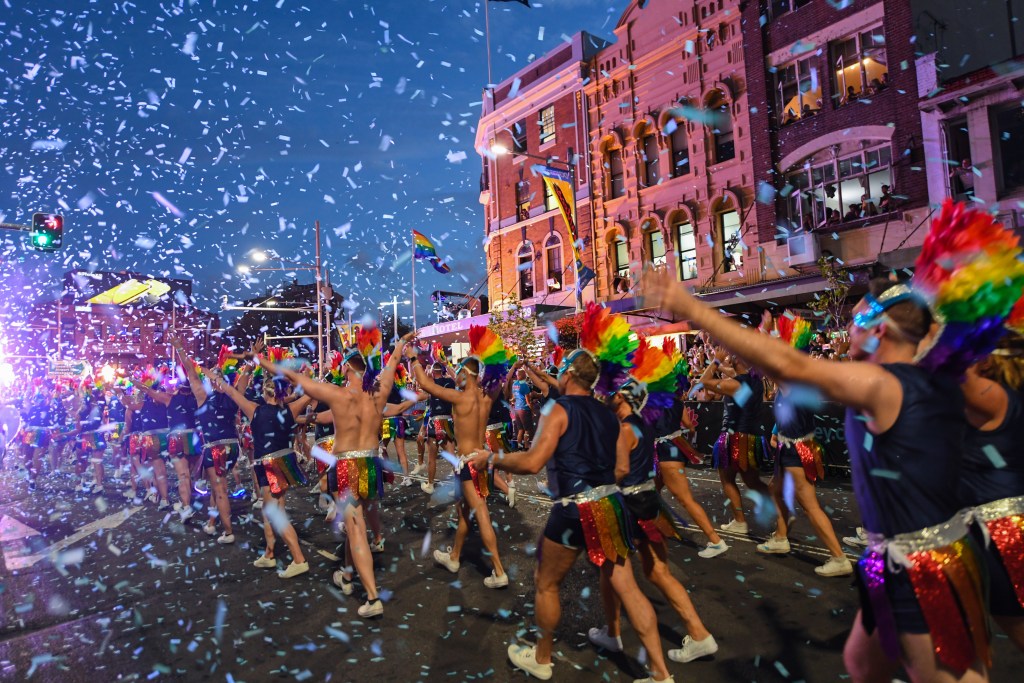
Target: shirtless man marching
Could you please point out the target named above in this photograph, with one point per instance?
(471, 406)
(356, 408)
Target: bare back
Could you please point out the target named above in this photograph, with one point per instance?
(470, 413)
(357, 419)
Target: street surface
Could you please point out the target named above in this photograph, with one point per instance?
(94, 589)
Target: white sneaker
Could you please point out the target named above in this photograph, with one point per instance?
(858, 541)
(495, 581)
(650, 679)
(524, 658)
(736, 527)
(210, 529)
(418, 468)
(694, 649)
(187, 513)
(202, 487)
(332, 512)
(178, 506)
(164, 504)
(129, 494)
(836, 566)
(258, 505)
(372, 608)
(713, 550)
(427, 488)
(226, 539)
(97, 488)
(774, 546)
(339, 580)
(294, 569)
(151, 497)
(264, 562)
(406, 481)
(377, 546)
(600, 638)
(511, 495)
(445, 560)
(324, 502)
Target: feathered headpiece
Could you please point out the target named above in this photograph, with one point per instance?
(1016, 320)
(607, 338)
(150, 377)
(401, 376)
(276, 355)
(795, 331)
(369, 347)
(334, 373)
(437, 354)
(489, 350)
(653, 381)
(971, 272)
(227, 364)
(682, 368)
(556, 357)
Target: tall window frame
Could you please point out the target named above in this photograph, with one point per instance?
(679, 147)
(616, 184)
(686, 249)
(619, 249)
(524, 266)
(519, 144)
(857, 60)
(720, 127)
(796, 85)
(654, 246)
(550, 202)
(730, 237)
(523, 200)
(553, 266)
(546, 124)
(649, 156)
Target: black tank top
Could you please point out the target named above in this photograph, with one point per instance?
(271, 429)
(982, 481)
(499, 412)
(744, 418)
(438, 406)
(795, 421)
(906, 478)
(116, 410)
(151, 415)
(90, 417)
(322, 430)
(216, 417)
(641, 458)
(181, 412)
(585, 455)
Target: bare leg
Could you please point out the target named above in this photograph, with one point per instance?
(288, 535)
(640, 613)
(184, 480)
(783, 513)
(755, 483)
(359, 549)
(612, 605)
(674, 476)
(732, 492)
(421, 444)
(372, 511)
(483, 522)
(555, 561)
(431, 460)
(461, 531)
(219, 488)
(97, 466)
(268, 529)
(403, 459)
(822, 525)
(655, 562)
(160, 476)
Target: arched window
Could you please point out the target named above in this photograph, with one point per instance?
(722, 143)
(649, 154)
(524, 263)
(611, 158)
(654, 245)
(679, 147)
(729, 237)
(522, 200)
(553, 262)
(618, 261)
(686, 248)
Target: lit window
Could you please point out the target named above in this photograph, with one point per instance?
(553, 261)
(687, 248)
(547, 124)
(550, 203)
(859, 65)
(621, 247)
(797, 91)
(522, 200)
(730, 237)
(525, 267)
(656, 248)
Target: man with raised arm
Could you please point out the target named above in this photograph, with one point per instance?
(471, 406)
(357, 408)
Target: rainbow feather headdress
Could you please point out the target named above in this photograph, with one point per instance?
(334, 372)
(653, 380)
(606, 337)
(151, 377)
(971, 272)
(276, 355)
(227, 363)
(489, 350)
(369, 346)
(794, 330)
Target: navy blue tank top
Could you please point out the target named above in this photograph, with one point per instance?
(151, 415)
(641, 458)
(322, 430)
(794, 421)
(438, 406)
(744, 418)
(216, 418)
(39, 412)
(116, 410)
(90, 417)
(271, 429)
(906, 478)
(981, 481)
(499, 412)
(585, 455)
(181, 411)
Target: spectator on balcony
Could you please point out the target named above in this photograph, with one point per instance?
(851, 95)
(886, 203)
(885, 80)
(853, 214)
(961, 178)
(876, 86)
(836, 218)
(807, 111)
(867, 207)
(789, 117)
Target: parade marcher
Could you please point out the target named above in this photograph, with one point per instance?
(129, 438)
(215, 417)
(274, 462)
(921, 602)
(116, 416)
(674, 451)
(151, 436)
(479, 376)
(579, 442)
(393, 428)
(799, 458)
(182, 438)
(522, 417)
(650, 389)
(438, 421)
(37, 426)
(90, 439)
(357, 408)
(992, 478)
(739, 449)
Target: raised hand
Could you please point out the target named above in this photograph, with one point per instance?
(661, 290)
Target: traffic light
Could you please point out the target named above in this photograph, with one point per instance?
(47, 233)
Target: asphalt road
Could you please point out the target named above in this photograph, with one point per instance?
(105, 591)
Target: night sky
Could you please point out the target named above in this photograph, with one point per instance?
(176, 137)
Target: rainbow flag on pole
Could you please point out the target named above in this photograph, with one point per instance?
(423, 248)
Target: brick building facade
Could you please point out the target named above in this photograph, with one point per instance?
(536, 116)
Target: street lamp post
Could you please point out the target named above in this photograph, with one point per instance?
(570, 217)
(394, 313)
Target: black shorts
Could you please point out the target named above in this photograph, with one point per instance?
(788, 457)
(564, 526)
(644, 506)
(1002, 597)
(906, 610)
(261, 474)
(230, 455)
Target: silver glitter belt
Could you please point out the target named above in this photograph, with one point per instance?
(786, 441)
(897, 548)
(639, 488)
(355, 455)
(590, 495)
(998, 509)
(220, 442)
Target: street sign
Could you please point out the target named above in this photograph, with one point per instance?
(66, 369)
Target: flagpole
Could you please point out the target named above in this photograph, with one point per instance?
(487, 40)
(413, 261)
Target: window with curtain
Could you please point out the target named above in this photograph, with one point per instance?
(729, 236)
(680, 147)
(524, 262)
(686, 246)
(553, 262)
